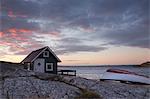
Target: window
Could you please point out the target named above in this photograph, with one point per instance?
(28, 66)
(46, 54)
(49, 66)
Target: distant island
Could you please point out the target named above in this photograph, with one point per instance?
(146, 64)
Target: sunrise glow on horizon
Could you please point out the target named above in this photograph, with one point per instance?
(84, 32)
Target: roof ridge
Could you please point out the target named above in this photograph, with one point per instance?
(39, 49)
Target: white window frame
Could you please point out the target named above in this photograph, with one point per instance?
(52, 65)
(46, 55)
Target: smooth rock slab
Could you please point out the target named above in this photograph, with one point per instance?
(25, 87)
(112, 90)
(27, 84)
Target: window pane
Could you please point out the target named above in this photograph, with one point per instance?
(49, 67)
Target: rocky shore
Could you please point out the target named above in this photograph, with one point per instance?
(23, 84)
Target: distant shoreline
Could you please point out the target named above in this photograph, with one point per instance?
(96, 65)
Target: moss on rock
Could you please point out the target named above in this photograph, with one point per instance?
(86, 94)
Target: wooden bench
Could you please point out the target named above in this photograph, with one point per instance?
(67, 72)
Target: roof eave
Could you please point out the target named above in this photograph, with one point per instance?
(59, 61)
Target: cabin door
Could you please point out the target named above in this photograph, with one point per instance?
(39, 65)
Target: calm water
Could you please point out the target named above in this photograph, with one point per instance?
(95, 72)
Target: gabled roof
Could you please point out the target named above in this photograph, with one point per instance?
(34, 54)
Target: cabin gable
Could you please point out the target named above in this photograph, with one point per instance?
(49, 59)
(42, 60)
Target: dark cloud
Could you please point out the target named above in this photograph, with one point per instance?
(127, 23)
(136, 35)
(7, 23)
(73, 45)
(78, 48)
(68, 40)
(116, 22)
(20, 7)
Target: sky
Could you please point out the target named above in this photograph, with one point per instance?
(78, 31)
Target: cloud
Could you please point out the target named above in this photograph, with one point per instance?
(1, 34)
(74, 45)
(134, 34)
(20, 8)
(19, 41)
(124, 26)
(78, 48)
(7, 23)
(90, 23)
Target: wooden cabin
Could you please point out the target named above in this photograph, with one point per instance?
(42, 60)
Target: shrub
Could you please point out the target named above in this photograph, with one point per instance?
(85, 94)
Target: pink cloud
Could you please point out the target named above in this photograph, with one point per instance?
(14, 30)
(18, 33)
(16, 39)
(20, 41)
(1, 34)
(24, 30)
(14, 15)
(54, 33)
(11, 14)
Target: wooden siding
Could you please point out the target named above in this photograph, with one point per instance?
(50, 59)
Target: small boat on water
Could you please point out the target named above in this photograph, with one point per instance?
(125, 76)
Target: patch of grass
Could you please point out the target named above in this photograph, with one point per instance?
(85, 94)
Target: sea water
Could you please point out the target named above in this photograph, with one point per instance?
(95, 72)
